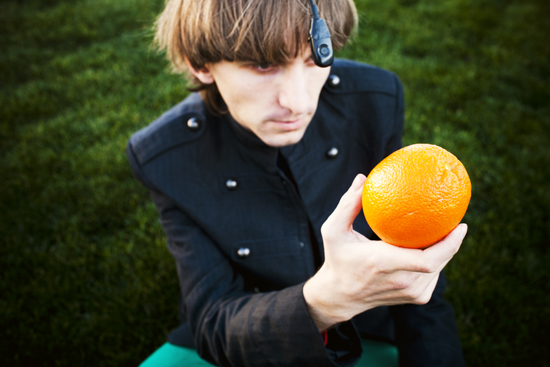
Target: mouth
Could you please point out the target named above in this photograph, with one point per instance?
(289, 125)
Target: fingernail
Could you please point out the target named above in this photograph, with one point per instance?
(358, 181)
(463, 230)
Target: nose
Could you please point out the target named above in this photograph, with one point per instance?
(293, 92)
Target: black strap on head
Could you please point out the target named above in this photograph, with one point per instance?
(319, 39)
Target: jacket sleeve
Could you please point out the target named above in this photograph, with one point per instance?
(232, 327)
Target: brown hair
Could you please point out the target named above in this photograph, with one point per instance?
(266, 31)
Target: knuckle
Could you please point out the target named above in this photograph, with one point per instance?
(429, 267)
(397, 286)
(456, 248)
(373, 265)
(342, 201)
(423, 298)
(423, 268)
(413, 294)
(401, 283)
(326, 231)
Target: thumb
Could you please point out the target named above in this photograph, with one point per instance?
(349, 206)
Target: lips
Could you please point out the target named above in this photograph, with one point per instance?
(288, 125)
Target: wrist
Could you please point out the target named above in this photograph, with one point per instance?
(325, 306)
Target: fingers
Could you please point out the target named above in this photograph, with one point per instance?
(426, 291)
(443, 251)
(434, 258)
(349, 206)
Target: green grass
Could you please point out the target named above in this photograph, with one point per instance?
(86, 278)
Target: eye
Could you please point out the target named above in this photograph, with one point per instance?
(263, 66)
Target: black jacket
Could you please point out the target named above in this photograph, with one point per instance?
(246, 236)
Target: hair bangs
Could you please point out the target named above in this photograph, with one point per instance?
(263, 31)
(271, 31)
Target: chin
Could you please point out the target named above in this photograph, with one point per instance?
(284, 139)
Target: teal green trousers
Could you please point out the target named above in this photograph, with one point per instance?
(375, 354)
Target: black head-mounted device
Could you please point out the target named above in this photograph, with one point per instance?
(319, 39)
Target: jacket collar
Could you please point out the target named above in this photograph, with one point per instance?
(247, 137)
(254, 145)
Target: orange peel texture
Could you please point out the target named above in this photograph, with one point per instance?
(416, 196)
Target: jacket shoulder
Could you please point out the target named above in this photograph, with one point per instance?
(357, 77)
(174, 127)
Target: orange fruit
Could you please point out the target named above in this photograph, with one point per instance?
(416, 196)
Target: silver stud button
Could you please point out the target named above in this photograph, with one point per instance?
(302, 244)
(193, 123)
(334, 81)
(333, 152)
(231, 184)
(243, 252)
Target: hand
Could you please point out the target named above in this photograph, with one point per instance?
(359, 274)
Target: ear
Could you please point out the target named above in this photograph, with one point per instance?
(203, 74)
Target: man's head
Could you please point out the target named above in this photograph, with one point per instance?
(251, 57)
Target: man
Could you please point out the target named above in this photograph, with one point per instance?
(251, 179)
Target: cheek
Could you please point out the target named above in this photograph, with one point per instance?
(247, 103)
(317, 81)
(235, 96)
(255, 99)
(244, 91)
